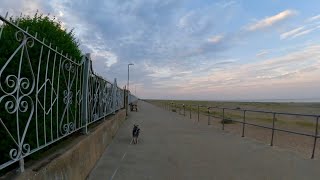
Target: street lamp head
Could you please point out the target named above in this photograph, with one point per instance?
(130, 64)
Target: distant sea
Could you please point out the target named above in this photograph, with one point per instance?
(306, 100)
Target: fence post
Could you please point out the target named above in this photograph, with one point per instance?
(198, 113)
(114, 95)
(126, 100)
(315, 138)
(184, 110)
(222, 118)
(190, 110)
(273, 120)
(244, 122)
(85, 94)
(208, 115)
(21, 164)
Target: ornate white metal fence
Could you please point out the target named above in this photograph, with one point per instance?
(46, 98)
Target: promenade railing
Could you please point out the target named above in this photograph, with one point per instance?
(46, 98)
(270, 119)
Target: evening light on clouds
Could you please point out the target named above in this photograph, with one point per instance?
(183, 49)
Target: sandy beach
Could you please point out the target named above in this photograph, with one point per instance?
(303, 145)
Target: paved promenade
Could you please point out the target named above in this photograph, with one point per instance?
(173, 147)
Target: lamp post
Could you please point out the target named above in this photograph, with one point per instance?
(128, 74)
(128, 87)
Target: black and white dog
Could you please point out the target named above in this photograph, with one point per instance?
(135, 133)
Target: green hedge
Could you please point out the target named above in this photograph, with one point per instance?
(51, 31)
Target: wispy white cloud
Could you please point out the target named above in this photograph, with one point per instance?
(314, 18)
(305, 32)
(292, 32)
(262, 53)
(291, 69)
(310, 26)
(108, 57)
(226, 4)
(215, 39)
(167, 72)
(270, 21)
(185, 20)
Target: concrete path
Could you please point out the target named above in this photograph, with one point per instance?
(173, 147)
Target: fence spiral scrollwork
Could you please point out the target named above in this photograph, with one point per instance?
(48, 98)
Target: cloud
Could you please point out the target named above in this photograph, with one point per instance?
(226, 62)
(181, 47)
(61, 14)
(108, 57)
(305, 32)
(226, 4)
(291, 69)
(262, 53)
(270, 21)
(314, 18)
(215, 39)
(16, 8)
(140, 30)
(307, 28)
(292, 32)
(185, 20)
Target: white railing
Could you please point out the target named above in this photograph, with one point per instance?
(46, 98)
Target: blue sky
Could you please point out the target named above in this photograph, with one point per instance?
(184, 49)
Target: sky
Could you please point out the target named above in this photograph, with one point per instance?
(196, 49)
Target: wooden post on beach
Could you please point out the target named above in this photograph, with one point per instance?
(208, 115)
(315, 138)
(222, 118)
(273, 120)
(244, 122)
(198, 113)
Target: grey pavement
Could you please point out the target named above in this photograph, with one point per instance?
(174, 147)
